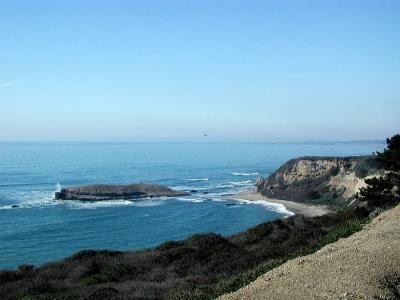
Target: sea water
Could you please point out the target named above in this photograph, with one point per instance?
(40, 229)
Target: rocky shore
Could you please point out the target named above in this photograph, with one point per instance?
(99, 192)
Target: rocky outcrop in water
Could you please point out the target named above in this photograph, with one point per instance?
(325, 180)
(99, 192)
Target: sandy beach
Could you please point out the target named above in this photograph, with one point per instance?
(295, 207)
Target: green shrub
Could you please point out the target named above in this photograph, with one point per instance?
(361, 172)
(91, 253)
(26, 268)
(9, 276)
(313, 195)
(342, 231)
(243, 279)
(169, 245)
(190, 294)
(111, 273)
(384, 191)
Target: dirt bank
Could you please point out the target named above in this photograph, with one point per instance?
(364, 266)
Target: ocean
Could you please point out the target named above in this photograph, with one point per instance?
(41, 229)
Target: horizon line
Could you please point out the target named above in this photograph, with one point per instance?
(191, 141)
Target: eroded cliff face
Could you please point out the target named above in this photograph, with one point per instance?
(327, 180)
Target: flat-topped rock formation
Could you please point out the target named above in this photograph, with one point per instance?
(97, 192)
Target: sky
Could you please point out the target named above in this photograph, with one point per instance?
(172, 70)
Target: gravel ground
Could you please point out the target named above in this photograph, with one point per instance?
(364, 266)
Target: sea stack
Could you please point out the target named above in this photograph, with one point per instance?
(98, 192)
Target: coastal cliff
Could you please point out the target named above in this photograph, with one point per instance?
(321, 180)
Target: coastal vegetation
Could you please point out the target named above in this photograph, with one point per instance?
(201, 267)
(205, 266)
(384, 191)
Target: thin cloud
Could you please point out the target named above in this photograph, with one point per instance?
(7, 84)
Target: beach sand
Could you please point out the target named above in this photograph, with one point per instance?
(295, 207)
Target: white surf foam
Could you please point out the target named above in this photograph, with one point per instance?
(241, 183)
(192, 200)
(224, 186)
(189, 188)
(244, 174)
(279, 208)
(149, 202)
(218, 199)
(38, 199)
(195, 179)
(73, 204)
(97, 204)
(6, 207)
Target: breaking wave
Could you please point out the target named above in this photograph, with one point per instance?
(193, 200)
(113, 203)
(244, 174)
(6, 207)
(278, 208)
(195, 179)
(241, 183)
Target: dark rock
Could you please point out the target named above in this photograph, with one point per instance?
(98, 192)
(193, 191)
(14, 206)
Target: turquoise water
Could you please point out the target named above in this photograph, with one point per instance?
(41, 229)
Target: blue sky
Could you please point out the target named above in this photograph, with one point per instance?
(175, 70)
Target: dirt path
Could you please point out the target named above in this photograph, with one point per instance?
(364, 266)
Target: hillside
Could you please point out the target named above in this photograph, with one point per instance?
(199, 267)
(365, 265)
(320, 180)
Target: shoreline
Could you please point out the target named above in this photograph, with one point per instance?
(307, 210)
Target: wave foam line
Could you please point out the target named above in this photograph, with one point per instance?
(192, 200)
(189, 188)
(113, 203)
(244, 174)
(97, 204)
(196, 179)
(241, 183)
(276, 207)
(6, 207)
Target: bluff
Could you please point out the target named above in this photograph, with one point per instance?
(321, 180)
(99, 192)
